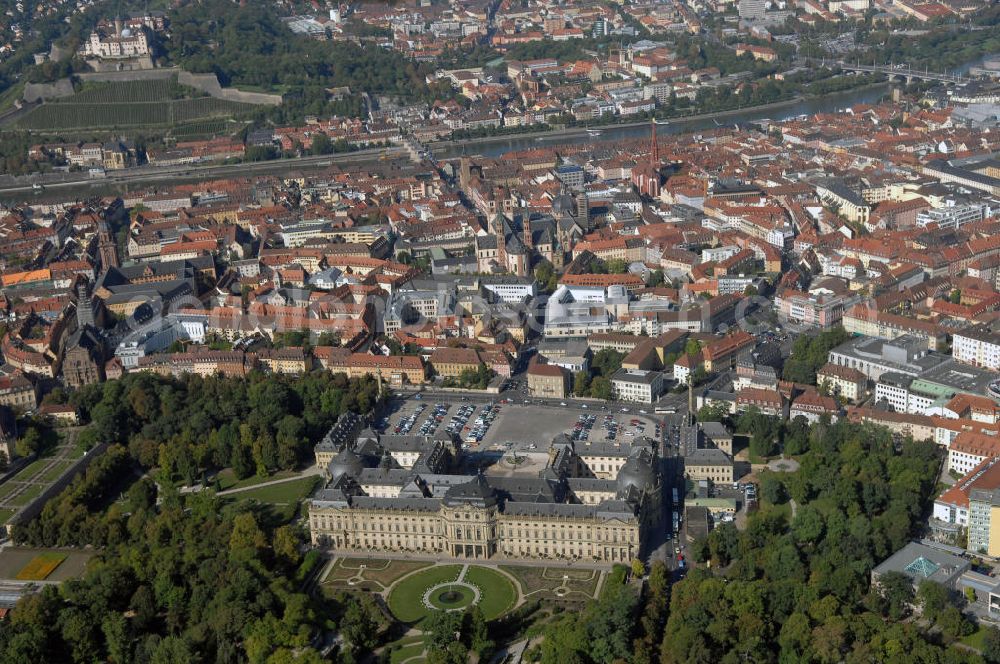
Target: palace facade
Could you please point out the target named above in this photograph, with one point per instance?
(380, 496)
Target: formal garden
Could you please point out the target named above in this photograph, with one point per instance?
(452, 588)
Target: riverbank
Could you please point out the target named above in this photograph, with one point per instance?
(64, 187)
(579, 130)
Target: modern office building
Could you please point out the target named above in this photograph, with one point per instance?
(873, 357)
(637, 385)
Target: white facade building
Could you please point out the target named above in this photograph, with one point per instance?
(978, 346)
(636, 385)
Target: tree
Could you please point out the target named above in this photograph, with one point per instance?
(142, 495)
(29, 443)
(723, 544)
(606, 362)
(991, 646)
(546, 276)
(286, 546)
(638, 568)
(796, 634)
(600, 388)
(359, 626)
(807, 526)
(116, 635)
(762, 444)
(581, 383)
(617, 266)
(172, 650)
(692, 347)
(809, 354)
(897, 590)
(716, 412)
(321, 144)
(78, 631)
(796, 436)
(480, 641)
(143, 607)
(610, 626)
(932, 598)
(772, 489)
(953, 624)
(247, 535)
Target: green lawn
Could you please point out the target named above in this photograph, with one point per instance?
(406, 652)
(541, 582)
(385, 576)
(5, 514)
(55, 472)
(377, 575)
(284, 498)
(976, 639)
(227, 480)
(7, 489)
(27, 495)
(33, 468)
(284, 493)
(78, 450)
(406, 599)
(497, 592)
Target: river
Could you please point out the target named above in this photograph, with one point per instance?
(495, 147)
(490, 147)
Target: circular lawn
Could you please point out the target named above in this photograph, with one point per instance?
(439, 588)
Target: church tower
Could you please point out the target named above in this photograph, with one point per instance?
(583, 211)
(107, 249)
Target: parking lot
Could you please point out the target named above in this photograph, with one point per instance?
(502, 425)
(470, 421)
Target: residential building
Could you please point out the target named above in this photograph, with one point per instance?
(846, 382)
(394, 369)
(969, 449)
(951, 508)
(548, 380)
(978, 345)
(451, 362)
(709, 464)
(18, 392)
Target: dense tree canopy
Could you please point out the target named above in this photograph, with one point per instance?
(810, 353)
(188, 426)
(182, 581)
(188, 577)
(797, 588)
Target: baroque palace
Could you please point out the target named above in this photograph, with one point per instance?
(421, 494)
